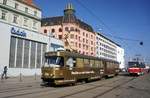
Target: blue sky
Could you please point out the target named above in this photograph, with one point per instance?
(129, 19)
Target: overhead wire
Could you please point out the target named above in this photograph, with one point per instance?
(124, 39)
(104, 24)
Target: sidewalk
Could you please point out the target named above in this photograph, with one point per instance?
(21, 79)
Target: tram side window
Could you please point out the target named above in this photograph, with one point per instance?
(92, 63)
(86, 62)
(79, 62)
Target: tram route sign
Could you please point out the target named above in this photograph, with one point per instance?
(18, 32)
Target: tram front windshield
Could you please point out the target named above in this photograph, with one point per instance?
(55, 61)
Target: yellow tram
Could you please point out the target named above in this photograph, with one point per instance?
(64, 67)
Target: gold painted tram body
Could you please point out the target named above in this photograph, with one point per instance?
(64, 67)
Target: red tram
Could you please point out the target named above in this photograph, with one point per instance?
(136, 68)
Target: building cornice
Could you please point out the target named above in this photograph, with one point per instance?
(108, 39)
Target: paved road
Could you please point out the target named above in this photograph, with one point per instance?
(117, 87)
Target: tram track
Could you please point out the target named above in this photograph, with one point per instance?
(46, 91)
(28, 92)
(19, 87)
(109, 90)
(95, 87)
(16, 91)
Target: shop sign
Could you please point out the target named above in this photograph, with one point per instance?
(18, 32)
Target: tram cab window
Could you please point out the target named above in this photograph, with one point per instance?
(55, 61)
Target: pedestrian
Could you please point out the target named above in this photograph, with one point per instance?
(4, 73)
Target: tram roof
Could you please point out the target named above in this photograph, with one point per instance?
(74, 54)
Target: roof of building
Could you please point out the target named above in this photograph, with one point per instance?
(108, 39)
(29, 4)
(58, 20)
(69, 17)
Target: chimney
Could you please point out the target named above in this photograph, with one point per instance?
(29, 1)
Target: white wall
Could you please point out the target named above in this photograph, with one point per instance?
(120, 57)
(4, 46)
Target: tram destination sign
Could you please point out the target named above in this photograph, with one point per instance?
(18, 32)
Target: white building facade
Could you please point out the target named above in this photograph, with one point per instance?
(22, 46)
(120, 57)
(105, 48)
(108, 49)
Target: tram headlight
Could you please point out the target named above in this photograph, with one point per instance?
(46, 74)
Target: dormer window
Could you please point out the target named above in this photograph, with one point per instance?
(53, 30)
(66, 29)
(60, 30)
(45, 31)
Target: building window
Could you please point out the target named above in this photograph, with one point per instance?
(32, 55)
(66, 29)
(79, 38)
(86, 35)
(3, 15)
(71, 36)
(25, 22)
(91, 36)
(71, 29)
(72, 43)
(83, 46)
(19, 53)
(4, 2)
(38, 59)
(60, 36)
(79, 45)
(15, 19)
(87, 41)
(86, 53)
(12, 52)
(83, 40)
(83, 33)
(26, 9)
(76, 44)
(87, 47)
(76, 37)
(16, 5)
(27, 58)
(76, 30)
(60, 30)
(45, 31)
(34, 24)
(91, 48)
(53, 30)
(91, 42)
(35, 13)
(26, 53)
